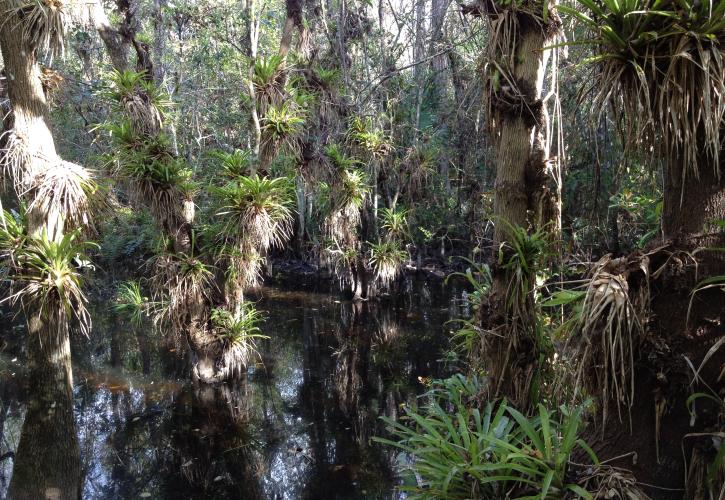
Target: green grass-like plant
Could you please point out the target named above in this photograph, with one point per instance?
(455, 450)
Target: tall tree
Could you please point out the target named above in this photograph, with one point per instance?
(515, 70)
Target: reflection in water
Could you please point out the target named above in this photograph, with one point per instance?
(47, 463)
(298, 427)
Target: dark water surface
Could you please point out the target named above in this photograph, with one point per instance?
(300, 427)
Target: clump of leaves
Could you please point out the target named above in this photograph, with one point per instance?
(395, 222)
(42, 24)
(457, 450)
(368, 138)
(256, 211)
(46, 276)
(234, 164)
(141, 101)
(131, 303)
(238, 334)
(661, 63)
(387, 259)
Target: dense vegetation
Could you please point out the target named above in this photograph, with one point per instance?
(562, 160)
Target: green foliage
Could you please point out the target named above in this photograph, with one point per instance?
(459, 451)
(663, 61)
(46, 276)
(395, 222)
(256, 210)
(282, 122)
(521, 257)
(130, 234)
(233, 165)
(266, 70)
(240, 330)
(13, 232)
(130, 303)
(352, 192)
(386, 259)
(370, 139)
(338, 158)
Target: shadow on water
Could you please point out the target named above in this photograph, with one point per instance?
(298, 427)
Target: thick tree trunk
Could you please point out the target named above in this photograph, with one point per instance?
(31, 130)
(691, 207)
(510, 352)
(47, 464)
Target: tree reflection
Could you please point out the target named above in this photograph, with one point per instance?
(47, 463)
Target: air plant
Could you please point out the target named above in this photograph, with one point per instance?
(179, 281)
(234, 164)
(131, 303)
(611, 320)
(142, 102)
(13, 233)
(16, 161)
(68, 190)
(661, 63)
(387, 260)
(349, 194)
(371, 140)
(238, 334)
(395, 222)
(267, 80)
(42, 24)
(45, 274)
(281, 125)
(256, 211)
(338, 158)
(521, 256)
(330, 78)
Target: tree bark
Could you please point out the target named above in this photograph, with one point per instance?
(515, 82)
(690, 207)
(47, 464)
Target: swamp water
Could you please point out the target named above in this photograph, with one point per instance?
(299, 427)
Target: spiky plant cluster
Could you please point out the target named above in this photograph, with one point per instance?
(662, 64)
(521, 257)
(238, 334)
(42, 24)
(181, 283)
(142, 102)
(281, 128)
(608, 333)
(69, 190)
(156, 177)
(256, 211)
(348, 196)
(395, 223)
(387, 259)
(268, 81)
(418, 166)
(233, 165)
(372, 141)
(66, 193)
(44, 274)
(342, 262)
(131, 303)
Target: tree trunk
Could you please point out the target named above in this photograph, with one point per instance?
(510, 350)
(690, 207)
(47, 464)
(30, 127)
